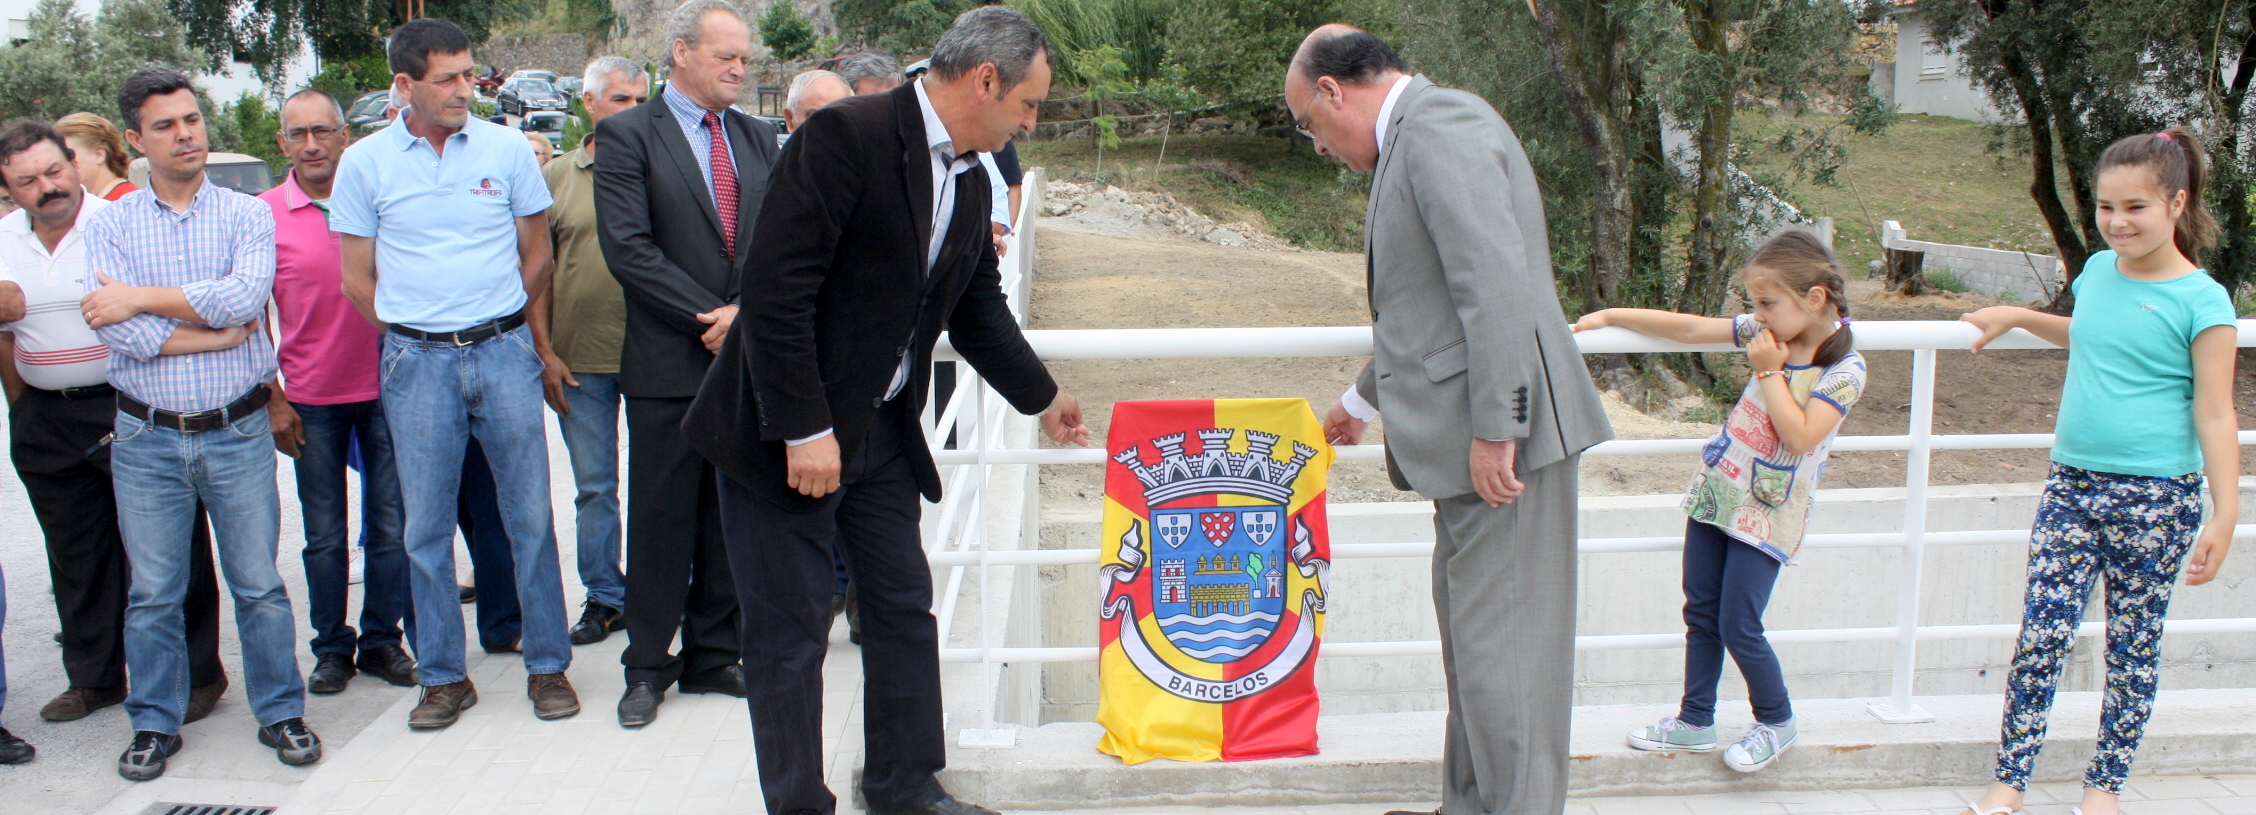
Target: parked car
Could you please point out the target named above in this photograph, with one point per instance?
(244, 174)
(571, 85)
(488, 79)
(521, 95)
(534, 73)
(548, 123)
(367, 112)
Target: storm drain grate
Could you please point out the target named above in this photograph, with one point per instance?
(207, 809)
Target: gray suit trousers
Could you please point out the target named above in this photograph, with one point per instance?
(1504, 591)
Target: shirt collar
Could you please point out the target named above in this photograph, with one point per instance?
(935, 131)
(1386, 109)
(686, 108)
(162, 207)
(408, 140)
(581, 158)
(294, 196)
(19, 222)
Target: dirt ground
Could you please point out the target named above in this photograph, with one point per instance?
(1088, 280)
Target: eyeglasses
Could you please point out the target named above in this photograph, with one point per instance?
(298, 134)
(1300, 125)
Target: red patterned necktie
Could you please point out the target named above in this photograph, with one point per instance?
(724, 181)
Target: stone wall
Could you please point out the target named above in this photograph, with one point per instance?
(566, 54)
(2001, 273)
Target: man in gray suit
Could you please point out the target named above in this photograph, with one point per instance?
(1488, 404)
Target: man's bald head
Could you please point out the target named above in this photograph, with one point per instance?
(811, 91)
(1345, 53)
(1338, 80)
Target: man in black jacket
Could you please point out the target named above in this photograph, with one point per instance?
(873, 240)
(678, 185)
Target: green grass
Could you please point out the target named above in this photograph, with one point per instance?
(1933, 174)
(1283, 189)
(1946, 280)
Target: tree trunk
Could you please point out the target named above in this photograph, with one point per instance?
(1712, 223)
(2044, 188)
(1610, 226)
(1905, 271)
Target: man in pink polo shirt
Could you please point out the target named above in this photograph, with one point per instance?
(325, 403)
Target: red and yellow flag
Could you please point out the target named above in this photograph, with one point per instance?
(1216, 557)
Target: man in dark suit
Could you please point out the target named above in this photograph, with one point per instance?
(678, 185)
(873, 240)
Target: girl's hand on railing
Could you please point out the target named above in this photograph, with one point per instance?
(1993, 323)
(1596, 319)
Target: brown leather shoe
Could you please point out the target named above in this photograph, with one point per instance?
(202, 698)
(552, 695)
(79, 703)
(442, 704)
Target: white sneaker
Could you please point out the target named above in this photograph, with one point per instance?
(1761, 745)
(1672, 736)
(355, 563)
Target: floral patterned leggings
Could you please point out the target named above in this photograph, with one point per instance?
(2135, 530)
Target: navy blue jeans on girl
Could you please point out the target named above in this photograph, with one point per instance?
(1727, 586)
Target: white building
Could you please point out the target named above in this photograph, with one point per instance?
(1929, 80)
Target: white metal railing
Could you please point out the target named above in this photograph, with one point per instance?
(956, 534)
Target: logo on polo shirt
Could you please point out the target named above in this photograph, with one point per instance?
(486, 187)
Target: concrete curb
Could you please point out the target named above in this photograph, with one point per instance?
(1393, 757)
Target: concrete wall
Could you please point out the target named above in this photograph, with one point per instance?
(1388, 599)
(1932, 82)
(2002, 273)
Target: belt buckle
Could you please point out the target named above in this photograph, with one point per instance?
(459, 342)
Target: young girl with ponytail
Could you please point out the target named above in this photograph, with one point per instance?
(2146, 410)
(1750, 501)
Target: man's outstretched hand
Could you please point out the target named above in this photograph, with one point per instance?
(720, 319)
(1341, 427)
(1062, 422)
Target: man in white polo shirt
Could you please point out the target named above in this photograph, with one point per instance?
(62, 409)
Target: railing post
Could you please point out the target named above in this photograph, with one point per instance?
(1898, 709)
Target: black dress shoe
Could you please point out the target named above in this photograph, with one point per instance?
(510, 647)
(330, 673)
(469, 594)
(201, 700)
(389, 663)
(947, 805)
(145, 758)
(597, 621)
(725, 680)
(640, 706)
(14, 750)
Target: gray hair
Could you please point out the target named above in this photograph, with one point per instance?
(800, 84)
(994, 34)
(870, 65)
(687, 23)
(596, 78)
(334, 105)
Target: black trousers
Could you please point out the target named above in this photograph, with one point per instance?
(62, 454)
(677, 561)
(783, 563)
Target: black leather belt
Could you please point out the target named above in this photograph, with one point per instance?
(101, 391)
(198, 421)
(468, 336)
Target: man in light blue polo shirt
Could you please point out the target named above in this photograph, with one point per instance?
(444, 225)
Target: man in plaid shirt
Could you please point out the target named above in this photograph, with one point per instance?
(183, 272)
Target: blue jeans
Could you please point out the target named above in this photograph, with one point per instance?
(1727, 585)
(437, 397)
(493, 571)
(159, 474)
(591, 435)
(330, 432)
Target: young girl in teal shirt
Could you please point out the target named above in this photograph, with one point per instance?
(2146, 411)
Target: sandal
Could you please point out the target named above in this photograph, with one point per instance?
(1970, 807)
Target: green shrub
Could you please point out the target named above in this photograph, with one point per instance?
(1947, 280)
(786, 32)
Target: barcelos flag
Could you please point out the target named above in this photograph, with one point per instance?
(1215, 563)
